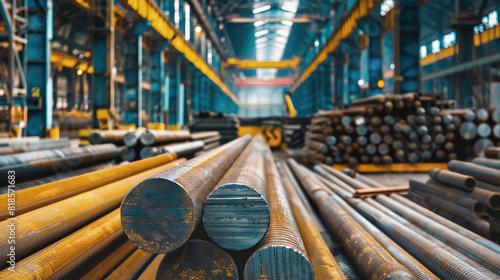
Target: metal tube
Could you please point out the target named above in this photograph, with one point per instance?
(161, 213)
(480, 254)
(131, 138)
(39, 196)
(479, 172)
(158, 137)
(113, 259)
(324, 264)
(198, 259)
(128, 269)
(493, 152)
(455, 180)
(38, 164)
(150, 272)
(204, 135)
(59, 259)
(107, 136)
(20, 146)
(365, 251)
(420, 271)
(53, 221)
(282, 240)
(182, 149)
(488, 162)
(236, 213)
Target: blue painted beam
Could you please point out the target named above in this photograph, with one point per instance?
(406, 47)
(159, 83)
(134, 73)
(372, 26)
(38, 71)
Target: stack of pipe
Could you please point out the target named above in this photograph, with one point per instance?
(34, 165)
(468, 194)
(10, 146)
(58, 237)
(227, 126)
(410, 128)
(417, 243)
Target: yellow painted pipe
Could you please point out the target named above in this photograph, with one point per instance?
(150, 272)
(59, 259)
(131, 266)
(110, 262)
(324, 264)
(51, 222)
(36, 197)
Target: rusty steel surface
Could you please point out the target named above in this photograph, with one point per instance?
(107, 136)
(281, 253)
(160, 213)
(129, 269)
(403, 257)
(324, 264)
(453, 179)
(379, 191)
(368, 255)
(481, 254)
(198, 260)
(39, 196)
(112, 260)
(33, 165)
(59, 259)
(236, 213)
(48, 223)
(158, 137)
(486, 174)
(150, 272)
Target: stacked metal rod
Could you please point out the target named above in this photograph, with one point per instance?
(443, 247)
(29, 144)
(227, 126)
(410, 128)
(468, 194)
(37, 164)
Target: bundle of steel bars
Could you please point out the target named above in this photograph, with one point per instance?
(410, 128)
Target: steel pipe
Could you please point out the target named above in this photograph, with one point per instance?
(39, 196)
(493, 152)
(236, 213)
(204, 135)
(161, 213)
(198, 259)
(479, 172)
(38, 164)
(59, 259)
(158, 137)
(107, 136)
(282, 239)
(131, 138)
(373, 260)
(53, 221)
(182, 150)
(324, 264)
(455, 180)
(488, 162)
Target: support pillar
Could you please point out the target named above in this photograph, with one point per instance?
(158, 83)
(38, 72)
(406, 46)
(71, 89)
(338, 91)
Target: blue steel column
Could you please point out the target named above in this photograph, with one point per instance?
(158, 82)
(406, 46)
(372, 26)
(338, 93)
(103, 57)
(133, 74)
(38, 72)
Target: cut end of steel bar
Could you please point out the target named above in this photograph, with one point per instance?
(198, 259)
(147, 138)
(278, 262)
(236, 212)
(158, 215)
(95, 138)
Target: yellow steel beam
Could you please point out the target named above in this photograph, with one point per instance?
(361, 9)
(251, 64)
(60, 59)
(148, 10)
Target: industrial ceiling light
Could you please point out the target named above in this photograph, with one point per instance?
(281, 40)
(261, 9)
(287, 22)
(289, 8)
(283, 32)
(259, 23)
(261, 40)
(197, 29)
(261, 33)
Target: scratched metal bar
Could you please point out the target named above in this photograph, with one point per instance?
(281, 253)
(158, 137)
(182, 149)
(368, 255)
(324, 264)
(161, 213)
(198, 259)
(236, 213)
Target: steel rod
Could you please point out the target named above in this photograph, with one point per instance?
(158, 137)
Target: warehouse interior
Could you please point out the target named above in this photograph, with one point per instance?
(218, 139)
